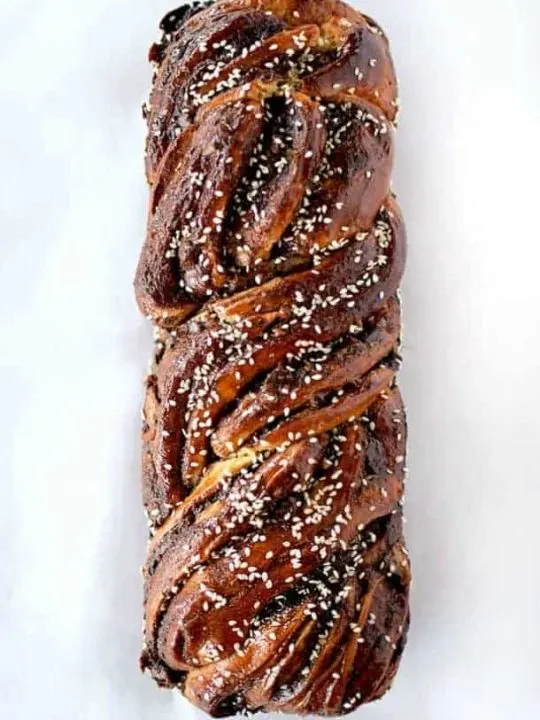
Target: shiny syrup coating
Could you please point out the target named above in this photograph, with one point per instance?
(274, 433)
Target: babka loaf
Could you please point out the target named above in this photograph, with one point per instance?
(274, 432)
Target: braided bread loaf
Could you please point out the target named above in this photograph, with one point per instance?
(274, 433)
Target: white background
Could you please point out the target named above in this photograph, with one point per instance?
(73, 351)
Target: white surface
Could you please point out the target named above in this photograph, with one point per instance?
(73, 351)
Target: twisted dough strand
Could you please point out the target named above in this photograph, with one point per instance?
(274, 433)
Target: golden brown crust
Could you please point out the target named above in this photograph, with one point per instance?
(274, 433)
